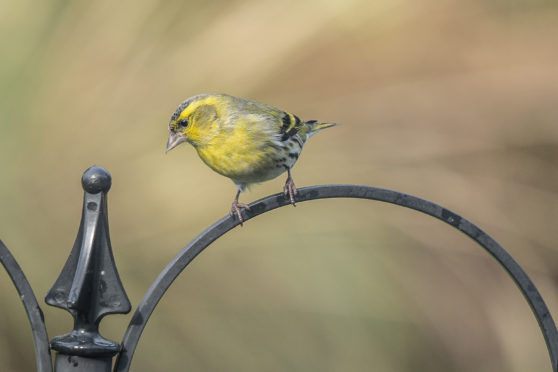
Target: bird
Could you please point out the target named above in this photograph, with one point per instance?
(246, 141)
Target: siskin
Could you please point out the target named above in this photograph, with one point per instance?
(246, 141)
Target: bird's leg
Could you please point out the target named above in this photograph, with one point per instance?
(290, 188)
(236, 207)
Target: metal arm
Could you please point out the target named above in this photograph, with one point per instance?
(219, 228)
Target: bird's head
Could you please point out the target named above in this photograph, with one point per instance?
(195, 121)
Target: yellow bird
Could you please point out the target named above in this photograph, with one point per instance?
(246, 141)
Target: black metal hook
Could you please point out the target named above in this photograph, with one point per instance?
(221, 227)
(34, 312)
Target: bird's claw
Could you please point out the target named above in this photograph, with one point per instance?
(290, 190)
(236, 210)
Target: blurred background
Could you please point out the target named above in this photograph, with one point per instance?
(452, 101)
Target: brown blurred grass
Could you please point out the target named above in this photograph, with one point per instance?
(451, 101)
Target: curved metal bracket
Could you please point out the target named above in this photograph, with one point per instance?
(219, 228)
(34, 312)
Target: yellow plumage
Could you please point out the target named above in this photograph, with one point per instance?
(247, 141)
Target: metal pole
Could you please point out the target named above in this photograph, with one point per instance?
(73, 363)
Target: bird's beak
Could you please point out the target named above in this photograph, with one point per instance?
(174, 140)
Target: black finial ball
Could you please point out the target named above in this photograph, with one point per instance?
(96, 179)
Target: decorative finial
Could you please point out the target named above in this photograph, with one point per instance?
(96, 179)
(89, 286)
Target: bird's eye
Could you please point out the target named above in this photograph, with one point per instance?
(183, 123)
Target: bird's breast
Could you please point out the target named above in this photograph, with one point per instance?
(247, 157)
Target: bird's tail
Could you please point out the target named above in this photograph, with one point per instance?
(314, 126)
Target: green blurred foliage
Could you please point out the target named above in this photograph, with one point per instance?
(453, 101)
